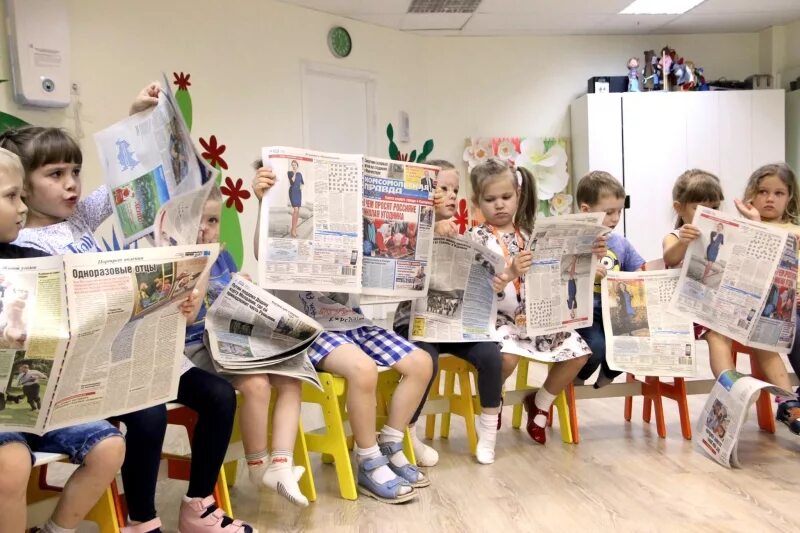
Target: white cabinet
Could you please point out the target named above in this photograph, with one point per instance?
(647, 140)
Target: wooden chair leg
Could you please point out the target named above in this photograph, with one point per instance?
(449, 392)
(522, 384)
(629, 378)
(573, 413)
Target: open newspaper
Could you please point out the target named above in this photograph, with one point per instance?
(90, 336)
(740, 279)
(248, 330)
(642, 335)
(461, 304)
(147, 158)
(310, 234)
(397, 227)
(559, 286)
(717, 431)
(178, 221)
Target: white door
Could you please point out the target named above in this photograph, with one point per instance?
(338, 109)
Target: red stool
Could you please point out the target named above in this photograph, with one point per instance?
(653, 390)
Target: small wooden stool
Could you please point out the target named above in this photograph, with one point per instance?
(766, 419)
(653, 390)
(564, 403)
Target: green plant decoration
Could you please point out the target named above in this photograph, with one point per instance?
(8, 122)
(413, 157)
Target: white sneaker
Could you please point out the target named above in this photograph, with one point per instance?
(426, 456)
(487, 437)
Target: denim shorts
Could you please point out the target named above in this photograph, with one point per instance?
(74, 441)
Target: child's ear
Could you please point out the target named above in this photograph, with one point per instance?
(676, 205)
(585, 208)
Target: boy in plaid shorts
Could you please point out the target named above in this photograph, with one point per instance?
(352, 347)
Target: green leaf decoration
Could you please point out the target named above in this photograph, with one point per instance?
(390, 132)
(184, 100)
(394, 151)
(412, 157)
(8, 122)
(230, 230)
(427, 148)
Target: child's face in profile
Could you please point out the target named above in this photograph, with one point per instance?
(447, 183)
(209, 223)
(686, 211)
(12, 209)
(55, 190)
(608, 204)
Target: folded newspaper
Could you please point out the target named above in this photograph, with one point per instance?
(250, 331)
(642, 335)
(740, 279)
(461, 304)
(725, 411)
(346, 223)
(89, 336)
(148, 158)
(559, 287)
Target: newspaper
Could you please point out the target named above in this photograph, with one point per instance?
(642, 335)
(739, 279)
(461, 304)
(310, 234)
(397, 227)
(559, 286)
(248, 330)
(178, 221)
(725, 411)
(91, 336)
(147, 158)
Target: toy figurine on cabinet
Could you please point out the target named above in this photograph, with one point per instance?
(649, 72)
(633, 75)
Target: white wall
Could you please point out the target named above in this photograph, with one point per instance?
(244, 58)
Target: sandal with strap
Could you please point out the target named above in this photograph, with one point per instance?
(789, 414)
(537, 433)
(151, 526)
(388, 492)
(203, 516)
(408, 472)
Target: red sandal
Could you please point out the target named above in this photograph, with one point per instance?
(537, 433)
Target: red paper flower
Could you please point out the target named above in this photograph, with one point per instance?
(182, 81)
(213, 152)
(235, 193)
(462, 217)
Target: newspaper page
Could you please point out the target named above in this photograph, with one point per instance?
(248, 330)
(147, 158)
(559, 286)
(178, 221)
(717, 430)
(461, 304)
(126, 332)
(34, 331)
(397, 227)
(726, 278)
(311, 223)
(334, 311)
(642, 335)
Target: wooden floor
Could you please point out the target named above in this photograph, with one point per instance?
(621, 477)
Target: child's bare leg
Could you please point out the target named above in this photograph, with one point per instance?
(361, 373)
(562, 374)
(510, 362)
(282, 475)
(773, 367)
(720, 354)
(416, 368)
(15, 464)
(254, 412)
(89, 481)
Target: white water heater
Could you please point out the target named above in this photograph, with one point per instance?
(38, 45)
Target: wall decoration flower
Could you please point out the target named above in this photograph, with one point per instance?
(213, 152)
(506, 148)
(560, 204)
(548, 165)
(235, 193)
(461, 217)
(182, 81)
(477, 151)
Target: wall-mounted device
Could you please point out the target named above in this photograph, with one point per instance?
(38, 45)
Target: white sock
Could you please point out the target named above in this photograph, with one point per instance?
(543, 401)
(281, 477)
(487, 437)
(382, 474)
(52, 527)
(256, 466)
(426, 456)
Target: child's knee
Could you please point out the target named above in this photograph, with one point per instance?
(254, 388)
(416, 364)
(107, 455)
(362, 375)
(15, 464)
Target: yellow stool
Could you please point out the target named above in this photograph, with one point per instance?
(560, 403)
(332, 441)
(463, 403)
(104, 513)
(301, 458)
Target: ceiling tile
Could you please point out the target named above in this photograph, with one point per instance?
(434, 21)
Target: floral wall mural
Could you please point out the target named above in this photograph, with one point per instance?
(546, 158)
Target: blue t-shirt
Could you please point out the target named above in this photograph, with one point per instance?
(221, 273)
(620, 256)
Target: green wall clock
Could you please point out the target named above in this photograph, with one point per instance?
(339, 41)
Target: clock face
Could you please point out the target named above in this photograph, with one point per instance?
(339, 42)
